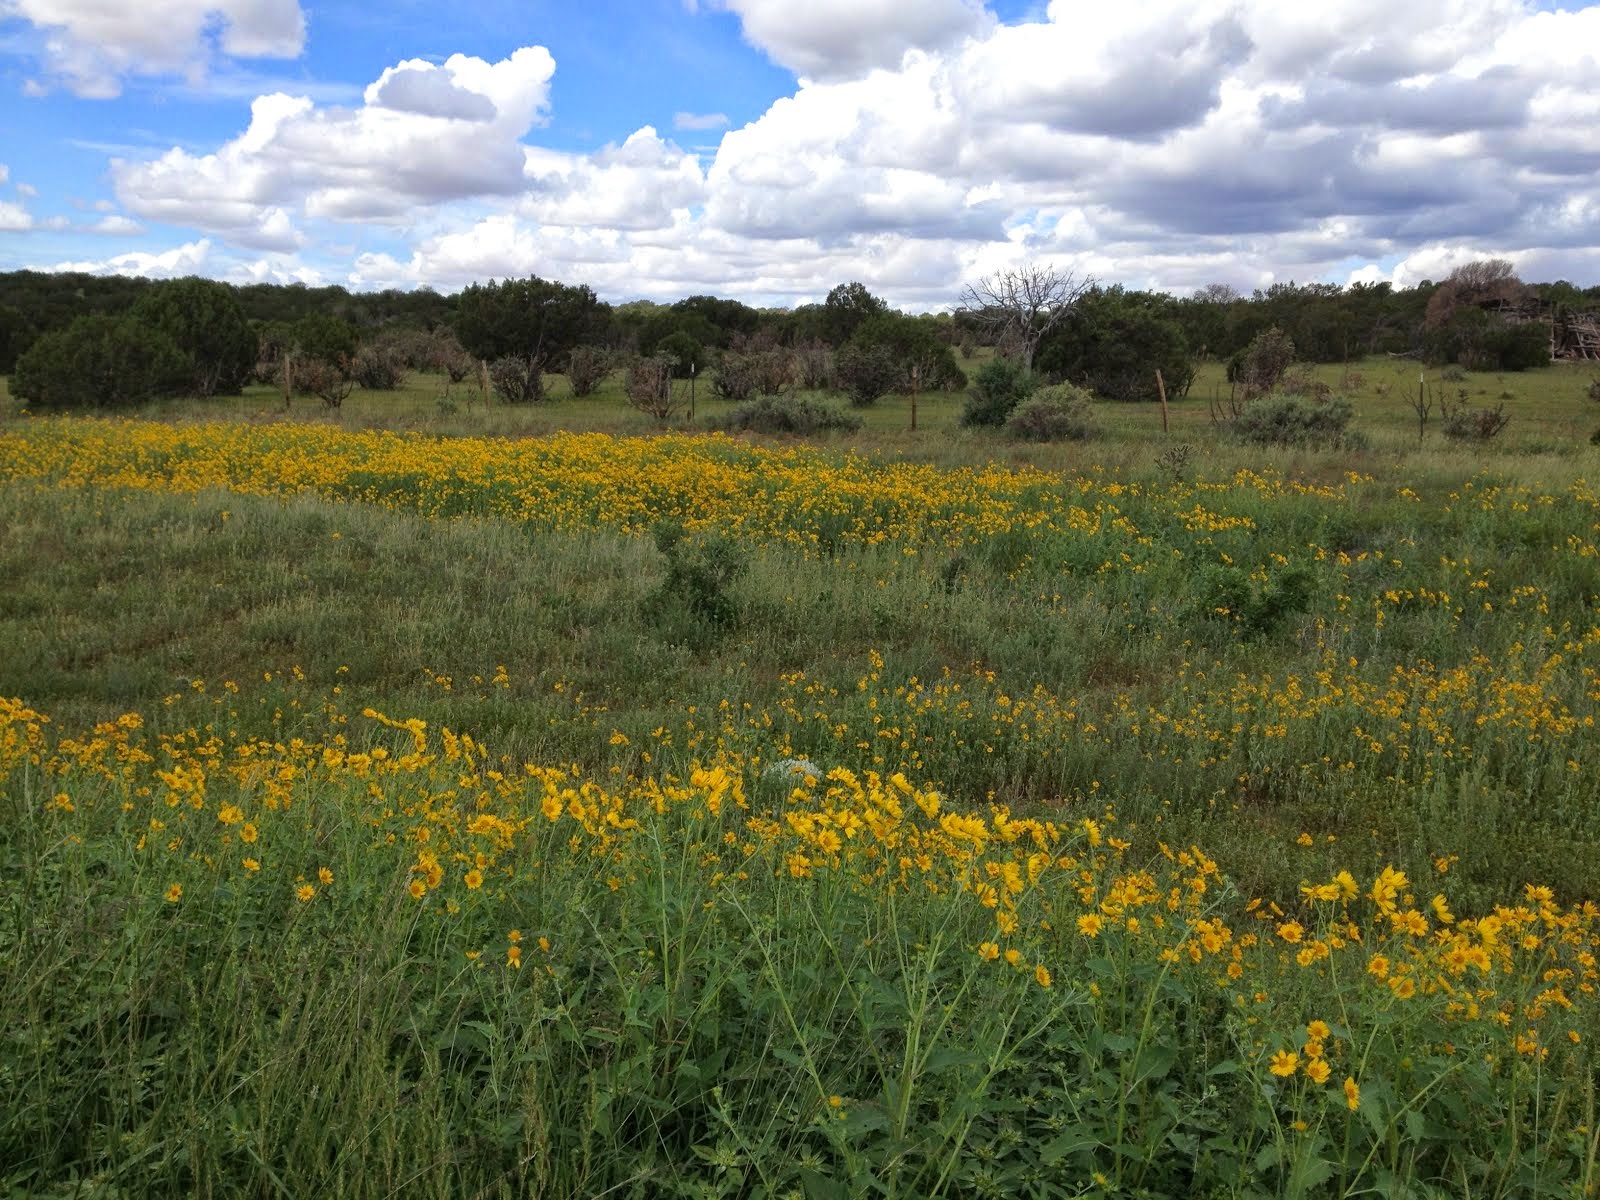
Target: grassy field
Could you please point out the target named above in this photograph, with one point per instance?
(1548, 410)
(401, 801)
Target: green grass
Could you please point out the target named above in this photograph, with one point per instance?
(1548, 408)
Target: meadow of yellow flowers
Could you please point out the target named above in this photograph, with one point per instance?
(852, 930)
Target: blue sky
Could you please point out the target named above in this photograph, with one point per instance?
(767, 149)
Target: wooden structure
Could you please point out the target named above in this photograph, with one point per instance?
(1573, 335)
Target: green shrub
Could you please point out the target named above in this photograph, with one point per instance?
(1255, 603)
(328, 338)
(1060, 413)
(1284, 420)
(998, 387)
(1114, 345)
(693, 603)
(1261, 366)
(100, 362)
(205, 322)
(865, 372)
(796, 414)
(1521, 347)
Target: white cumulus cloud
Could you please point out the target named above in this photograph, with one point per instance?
(835, 39)
(92, 45)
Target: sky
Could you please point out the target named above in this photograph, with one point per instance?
(770, 149)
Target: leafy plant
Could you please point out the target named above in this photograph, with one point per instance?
(204, 320)
(1256, 603)
(1176, 463)
(1053, 414)
(100, 362)
(865, 372)
(997, 388)
(1286, 420)
(695, 598)
(795, 414)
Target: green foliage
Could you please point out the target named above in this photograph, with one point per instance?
(1114, 344)
(204, 320)
(537, 320)
(326, 338)
(998, 387)
(1482, 341)
(1289, 420)
(682, 352)
(846, 309)
(100, 362)
(1522, 347)
(1060, 413)
(694, 603)
(1261, 366)
(16, 335)
(912, 344)
(1256, 604)
(794, 414)
(866, 372)
(1176, 463)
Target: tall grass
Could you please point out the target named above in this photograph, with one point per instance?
(374, 962)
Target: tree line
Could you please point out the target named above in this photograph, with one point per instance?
(97, 341)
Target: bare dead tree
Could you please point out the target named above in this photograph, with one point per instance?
(1024, 303)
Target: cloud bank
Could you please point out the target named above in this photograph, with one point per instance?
(925, 142)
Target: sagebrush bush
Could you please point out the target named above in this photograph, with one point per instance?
(797, 414)
(999, 386)
(1061, 413)
(1287, 420)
